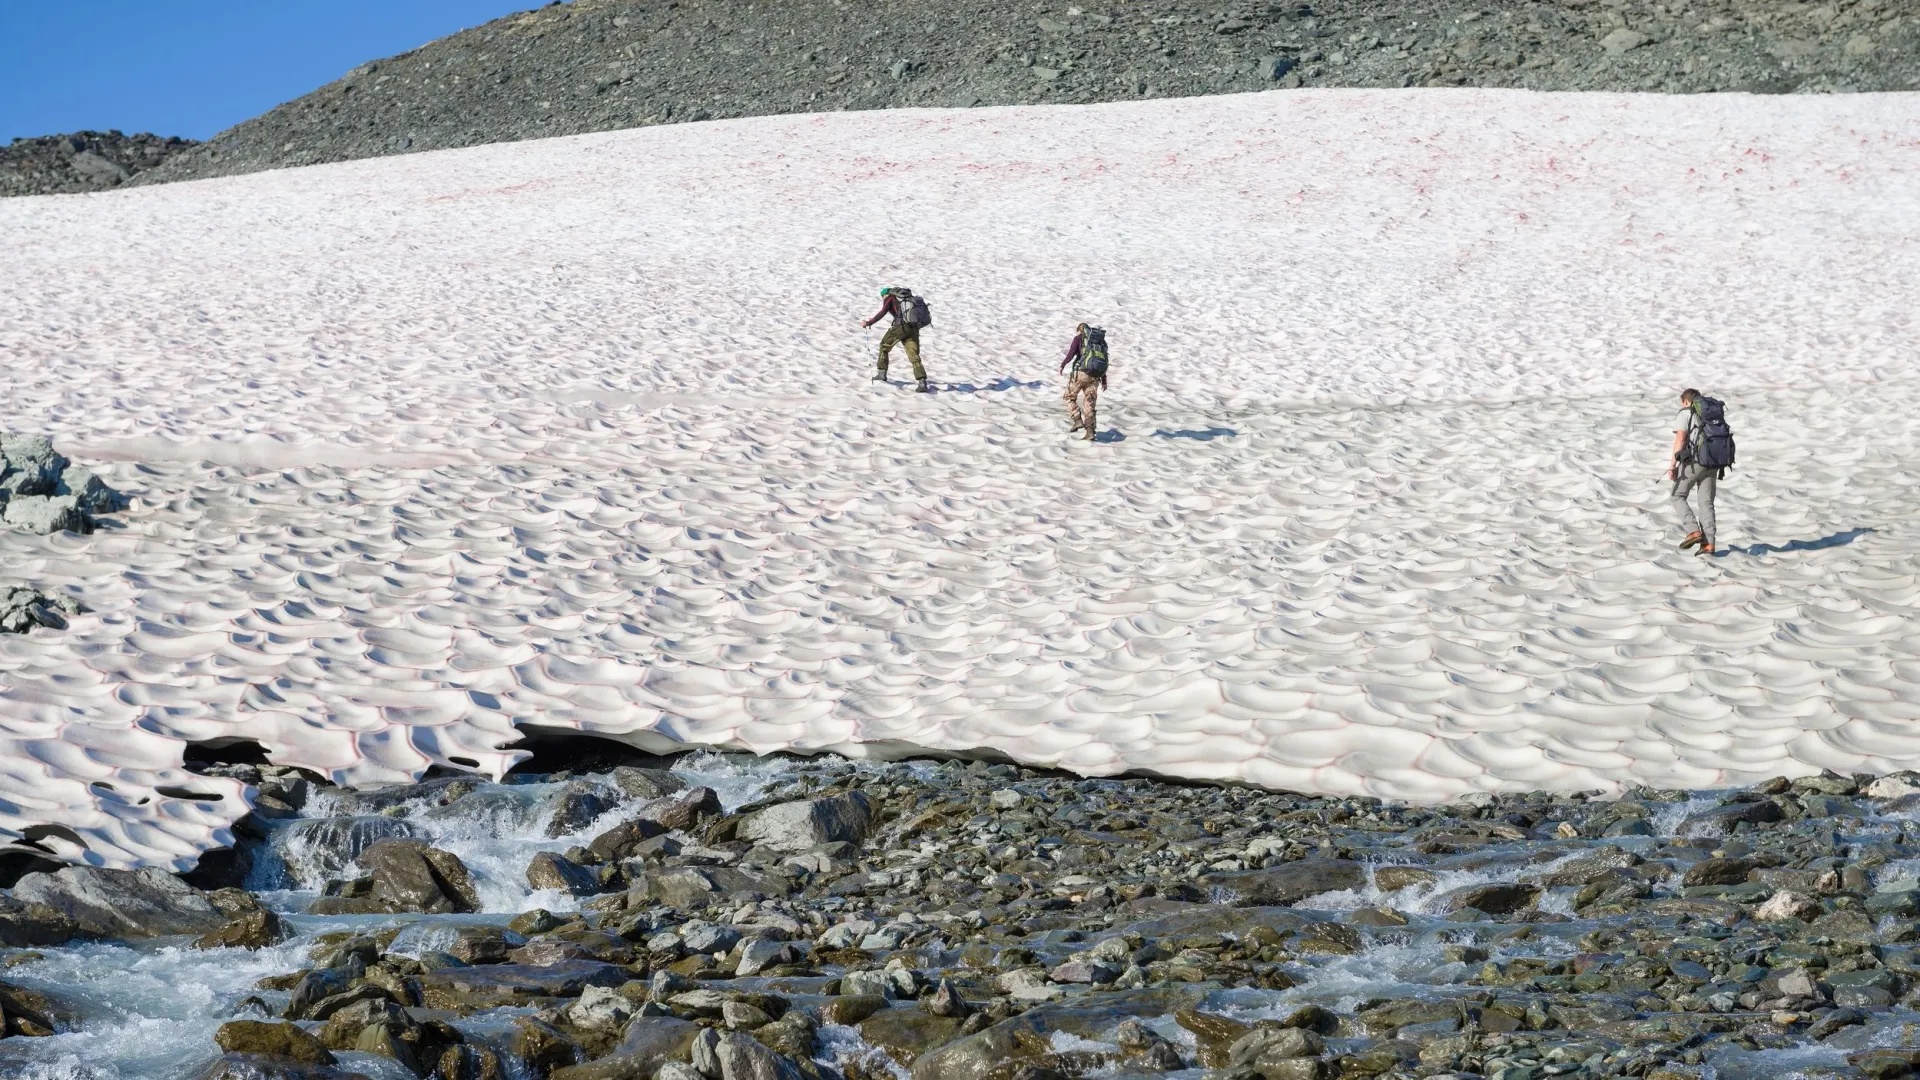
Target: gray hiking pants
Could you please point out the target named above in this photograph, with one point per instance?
(1694, 478)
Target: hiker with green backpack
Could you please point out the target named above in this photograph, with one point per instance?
(1702, 453)
(1088, 355)
(909, 315)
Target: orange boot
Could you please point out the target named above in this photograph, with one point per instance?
(1692, 539)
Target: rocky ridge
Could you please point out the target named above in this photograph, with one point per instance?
(982, 922)
(594, 65)
(81, 161)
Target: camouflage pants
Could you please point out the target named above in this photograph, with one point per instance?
(902, 334)
(1083, 399)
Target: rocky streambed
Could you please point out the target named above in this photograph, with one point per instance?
(717, 918)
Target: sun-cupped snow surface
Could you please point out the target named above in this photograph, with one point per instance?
(578, 433)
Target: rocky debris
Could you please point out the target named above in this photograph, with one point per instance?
(121, 903)
(23, 609)
(82, 161)
(565, 69)
(991, 922)
(42, 492)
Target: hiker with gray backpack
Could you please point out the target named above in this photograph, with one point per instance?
(1088, 355)
(1702, 453)
(909, 315)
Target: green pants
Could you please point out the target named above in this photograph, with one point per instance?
(902, 334)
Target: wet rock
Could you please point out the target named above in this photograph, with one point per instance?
(469, 1062)
(1265, 1047)
(321, 848)
(1498, 899)
(805, 824)
(258, 1067)
(1286, 884)
(541, 1048)
(623, 841)
(742, 1057)
(946, 1001)
(577, 807)
(684, 811)
(1722, 819)
(254, 930)
(905, 1034)
(493, 985)
(549, 871)
(698, 886)
(121, 903)
(409, 875)
(1393, 878)
(483, 945)
(272, 1040)
(24, 925)
(1718, 872)
(30, 1013)
(849, 1009)
(646, 783)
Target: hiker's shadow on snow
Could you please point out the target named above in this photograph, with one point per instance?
(1111, 435)
(1838, 539)
(1207, 435)
(999, 385)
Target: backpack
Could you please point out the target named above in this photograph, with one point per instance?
(913, 309)
(1713, 446)
(1093, 353)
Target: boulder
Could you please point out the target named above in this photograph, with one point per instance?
(646, 783)
(273, 1040)
(122, 903)
(1264, 1047)
(44, 514)
(905, 1034)
(742, 1057)
(542, 1048)
(408, 875)
(1497, 899)
(807, 823)
(1718, 872)
(622, 842)
(483, 945)
(320, 848)
(253, 930)
(24, 925)
(1721, 819)
(549, 871)
(578, 806)
(29, 466)
(469, 1062)
(684, 811)
(1287, 883)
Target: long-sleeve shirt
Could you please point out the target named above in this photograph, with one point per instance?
(1073, 351)
(889, 306)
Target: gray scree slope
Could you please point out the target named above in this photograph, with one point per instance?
(595, 65)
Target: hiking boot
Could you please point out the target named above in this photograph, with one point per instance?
(880, 376)
(1089, 435)
(922, 388)
(1692, 539)
(1705, 549)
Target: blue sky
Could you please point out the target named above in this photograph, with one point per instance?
(196, 67)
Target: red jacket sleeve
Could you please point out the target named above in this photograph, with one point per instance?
(887, 307)
(1073, 350)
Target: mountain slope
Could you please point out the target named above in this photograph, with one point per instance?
(595, 65)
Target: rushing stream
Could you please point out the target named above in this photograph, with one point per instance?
(1517, 938)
